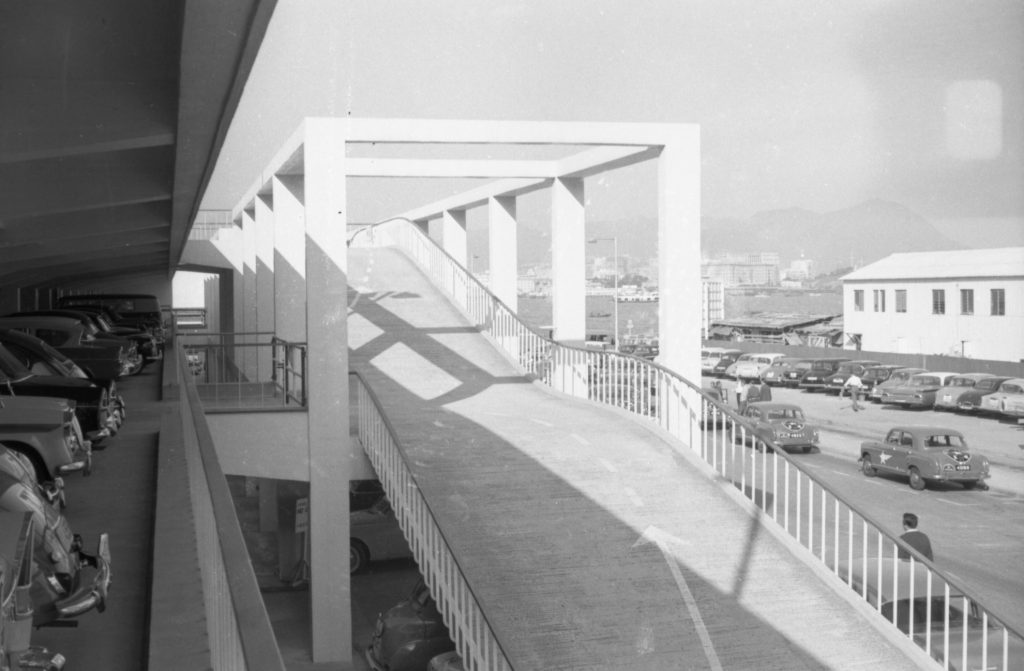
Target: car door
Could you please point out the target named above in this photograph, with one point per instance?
(892, 454)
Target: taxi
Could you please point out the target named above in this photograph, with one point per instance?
(925, 454)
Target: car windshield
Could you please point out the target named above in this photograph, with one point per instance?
(11, 367)
(926, 381)
(945, 440)
(987, 385)
(962, 382)
(803, 365)
(1012, 389)
(876, 374)
(785, 413)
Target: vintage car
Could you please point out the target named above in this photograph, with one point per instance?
(42, 359)
(92, 405)
(779, 425)
(106, 321)
(816, 375)
(709, 356)
(59, 591)
(774, 375)
(925, 454)
(876, 375)
(101, 360)
(725, 359)
(18, 466)
(364, 493)
(920, 610)
(1011, 401)
(973, 399)
(835, 382)
(995, 403)
(374, 535)
(446, 661)
(141, 311)
(949, 396)
(919, 391)
(17, 540)
(409, 634)
(47, 432)
(131, 344)
(896, 378)
(751, 365)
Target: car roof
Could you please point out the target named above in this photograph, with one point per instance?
(947, 373)
(1013, 380)
(924, 428)
(975, 376)
(40, 320)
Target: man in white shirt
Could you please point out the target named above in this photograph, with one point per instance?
(854, 384)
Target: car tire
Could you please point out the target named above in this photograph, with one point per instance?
(917, 483)
(866, 467)
(358, 556)
(807, 449)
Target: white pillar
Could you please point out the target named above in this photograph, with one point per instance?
(502, 250)
(453, 235)
(264, 252)
(679, 286)
(328, 416)
(289, 258)
(568, 260)
(247, 355)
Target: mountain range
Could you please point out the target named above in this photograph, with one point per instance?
(850, 237)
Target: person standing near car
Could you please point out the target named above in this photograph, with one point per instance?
(742, 389)
(914, 538)
(854, 384)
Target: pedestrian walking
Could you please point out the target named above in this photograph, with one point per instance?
(854, 384)
(914, 538)
(741, 390)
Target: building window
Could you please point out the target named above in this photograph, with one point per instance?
(999, 301)
(901, 300)
(858, 300)
(967, 301)
(879, 300)
(938, 301)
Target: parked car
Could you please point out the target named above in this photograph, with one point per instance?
(708, 358)
(797, 369)
(876, 375)
(374, 535)
(751, 365)
(101, 360)
(972, 400)
(780, 425)
(18, 466)
(409, 634)
(106, 321)
(60, 590)
(47, 432)
(130, 344)
(725, 359)
(17, 540)
(713, 415)
(774, 375)
(995, 403)
(925, 454)
(835, 382)
(1011, 403)
(92, 405)
(896, 378)
(817, 375)
(364, 493)
(139, 310)
(919, 610)
(919, 391)
(42, 359)
(949, 396)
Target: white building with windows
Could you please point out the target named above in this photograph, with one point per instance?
(965, 302)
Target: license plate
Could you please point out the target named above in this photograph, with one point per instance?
(963, 467)
(947, 397)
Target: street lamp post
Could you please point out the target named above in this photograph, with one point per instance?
(615, 296)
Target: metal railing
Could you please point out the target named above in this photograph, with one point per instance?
(234, 632)
(831, 528)
(474, 639)
(246, 371)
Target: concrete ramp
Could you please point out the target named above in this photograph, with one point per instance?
(591, 539)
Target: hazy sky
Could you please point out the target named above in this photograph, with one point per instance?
(816, 105)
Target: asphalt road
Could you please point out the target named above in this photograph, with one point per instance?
(977, 536)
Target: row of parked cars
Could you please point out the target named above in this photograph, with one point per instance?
(59, 401)
(983, 393)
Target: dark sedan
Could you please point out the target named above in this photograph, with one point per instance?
(971, 400)
(101, 360)
(133, 343)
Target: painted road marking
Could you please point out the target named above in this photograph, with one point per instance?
(541, 422)
(580, 439)
(608, 466)
(634, 497)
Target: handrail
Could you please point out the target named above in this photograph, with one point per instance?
(698, 420)
(474, 637)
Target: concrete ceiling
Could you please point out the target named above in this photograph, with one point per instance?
(112, 113)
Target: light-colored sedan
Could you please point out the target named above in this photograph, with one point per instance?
(925, 454)
(1008, 400)
(919, 391)
(779, 424)
(374, 535)
(949, 396)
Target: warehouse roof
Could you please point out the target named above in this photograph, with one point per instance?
(975, 263)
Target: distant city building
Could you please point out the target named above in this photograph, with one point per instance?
(760, 269)
(799, 269)
(963, 302)
(712, 304)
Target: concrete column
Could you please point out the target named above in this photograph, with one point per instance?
(503, 257)
(453, 235)
(289, 258)
(328, 417)
(225, 356)
(264, 254)
(568, 262)
(247, 355)
(679, 283)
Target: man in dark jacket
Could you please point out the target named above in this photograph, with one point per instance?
(914, 538)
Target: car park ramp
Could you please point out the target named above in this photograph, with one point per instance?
(589, 538)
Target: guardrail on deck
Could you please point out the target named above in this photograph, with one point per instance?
(939, 612)
(474, 639)
(199, 551)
